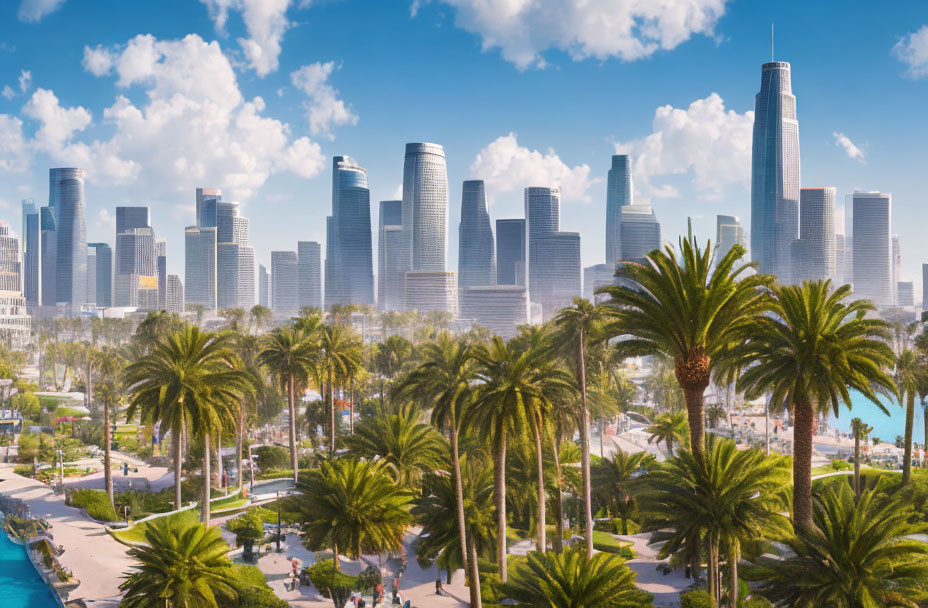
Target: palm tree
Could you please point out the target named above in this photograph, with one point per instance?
(249, 349)
(911, 379)
(859, 553)
(445, 380)
(722, 495)
(390, 358)
(341, 352)
(688, 310)
(189, 378)
(233, 316)
(156, 326)
(572, 580)
(109, 389)
(668, 428)
(860, 430)
(260, 316)
(182, 565)
(408, 446)
(353, 506)
(576, 326)
(616, 480)
(290, 354)
(810, 352)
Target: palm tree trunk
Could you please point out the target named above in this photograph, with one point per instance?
(473, 573)
(670, 445)
(925, 417)
(802, 464)
(542, 516)
(714, 570)
(291, 397)
(204, 506)
(459, 493)
(176, 444)
(559, 526)
(602, 436)
(857, 464)
(733, 556)
(337, 564)
(219, 468)
(585, 452)
(107, 448)
(239, 440)
(909, 421)
(350, 408)
(695, 414)
(331, 414)
(499, 491)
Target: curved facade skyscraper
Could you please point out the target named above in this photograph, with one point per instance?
(476, 257)
(349, 266)
(425, 205)
(66, 196)
(618, 194)
(775, 172)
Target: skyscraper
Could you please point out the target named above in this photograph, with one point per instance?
(161, 266)
(641, 232)
(227, 275)
(391, 263)
(596, 276)
(558, 280)
(349, 270)
(200, 266)
(128, 218)
(206, 205)
(897, 266)
(728, 233)
(425, 205)
(905, 294)
(284, 278)
(873, 247)
(264, 286)
(924, 286)
(246, 277)
(619, 192)
(175, 295)
(814, 255)
(136, 257)
(15, 321)
(103, 258)
(32, 253)
(510, 252)
(235, 265)
(309, 262)
(476, 258)
(542, 217)
(499, 308)
(66, 196)
(775, 172)
(48, 258)
(431, 290)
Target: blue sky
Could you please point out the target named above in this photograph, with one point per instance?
(255, 96)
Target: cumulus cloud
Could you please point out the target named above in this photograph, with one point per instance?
(324, 109)
(24, 84)
(627, 29)
(8, 92)
(705, 140)
(266, 22)
(506, 166)
(194, 126)
(106, 219)
(850, 148)
(33, 11)
(912, 50)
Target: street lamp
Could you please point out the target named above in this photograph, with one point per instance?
(278, 520)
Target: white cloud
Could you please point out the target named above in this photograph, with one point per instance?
(33, 11)
(627, 29)
(25, 80)
(850, 148)
(324, 109)
(105, 219)
(266, 22)
(706, 140)
(194, 127)
(912, 49)
(506, 166)
(8, 92)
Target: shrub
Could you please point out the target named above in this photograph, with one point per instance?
(272, 457)
(696, 599)
(253, 591)
(327, 580)
(756, 602)
(247, 526)
(95, 502)
(841, 465)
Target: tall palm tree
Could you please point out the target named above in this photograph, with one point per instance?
(249, 349)
(860, 430)
(445, 380)
(353, 507)
(688, 310)
(722, 495)
(390, 358)
(109, 365)
(576, 327)
(290, 354)
(813, 349)
(182, 565)
(572, 580)
(911, 380)
(341, 353)
(260, 317)
(617, 479)
(859, 553)
(668, 428)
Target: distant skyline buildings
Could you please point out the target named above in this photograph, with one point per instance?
(542, 217)
(309, 274)
(873, 247)
(728, 233)
(425, 205)
(511, 250)
(641, 232)
(66, 197)
(619, 192)
(103, 273)
(476, 248)
(284, 283)
(392, 258)
(349, 270)
(814, 255)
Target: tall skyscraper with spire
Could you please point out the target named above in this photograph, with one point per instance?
(775, 172)
(476, 257)
(619, 193)
(349, 266)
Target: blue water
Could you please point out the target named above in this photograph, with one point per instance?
(20, 585)
(885, 427)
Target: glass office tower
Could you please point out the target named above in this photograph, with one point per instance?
(349, 270)
(618, 194)
(510, 252)
(425, 205)
(873, 247)
(391, 263)
(66, 196)
(309, 260)
(476, 258)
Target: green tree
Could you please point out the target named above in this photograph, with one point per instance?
(155, 327)
(341, 353)
(688, 310)
(860, 430)
(260, 317)
(233, 316)
(182, 565)
(353, 506)
(668, 428)
(572, 580)
(617, 480)
(911, 380)
(109, 390)
(391, 357)
(720, 496)
(290, 354)
(858, 553)
(810, 352)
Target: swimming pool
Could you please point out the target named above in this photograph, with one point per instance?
(273, 485)
(20, 585)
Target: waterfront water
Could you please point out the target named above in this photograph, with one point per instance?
(20, 585)
(885, 427)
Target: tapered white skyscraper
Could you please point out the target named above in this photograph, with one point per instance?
(425, 205)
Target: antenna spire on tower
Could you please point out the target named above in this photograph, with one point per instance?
(771, 42)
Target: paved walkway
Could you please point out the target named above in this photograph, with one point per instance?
(666, 588)
(92, 555)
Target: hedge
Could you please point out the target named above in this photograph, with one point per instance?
(696, 599)
(95, 502)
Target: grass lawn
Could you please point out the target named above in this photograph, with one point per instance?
(136, 534)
